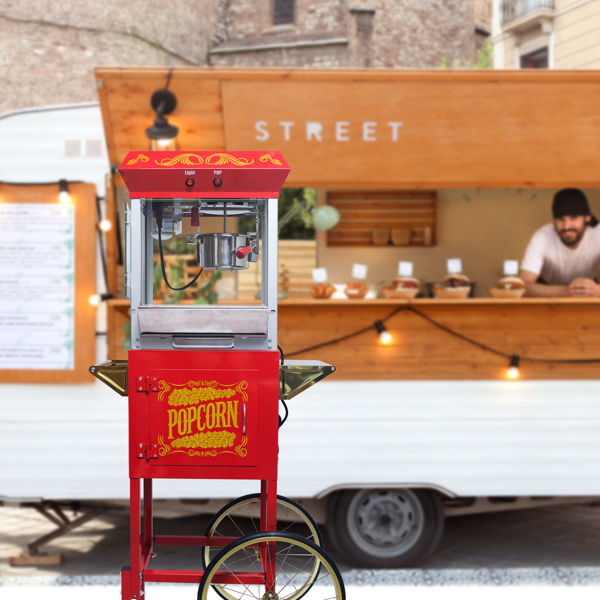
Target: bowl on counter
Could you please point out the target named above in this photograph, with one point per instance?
(454, 286)
(402, 287)
(356, 290)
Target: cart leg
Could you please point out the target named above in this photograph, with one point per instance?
(134, 539)
(148, 535)
(125, 583)
(268, 522)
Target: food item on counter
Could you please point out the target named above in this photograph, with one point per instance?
(507, 287)
(406, 283)
(322, 291)
(455, 285)
(356, 290)
(402, 287)
(456, 280)
(511, 283)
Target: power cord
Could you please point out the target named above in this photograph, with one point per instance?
(158, 215)
(287, 412)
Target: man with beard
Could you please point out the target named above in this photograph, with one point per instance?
(562, 259)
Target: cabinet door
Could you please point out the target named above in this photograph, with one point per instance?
(203, 417)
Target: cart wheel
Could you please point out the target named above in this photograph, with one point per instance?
(297, 561)
(239, 518)
(385, 528)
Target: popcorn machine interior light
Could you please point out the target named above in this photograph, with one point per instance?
(204, 381)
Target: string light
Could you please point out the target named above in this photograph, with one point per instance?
(384, 335)
(95, 299)
(513, 370)
(104, 225)
(63, 194)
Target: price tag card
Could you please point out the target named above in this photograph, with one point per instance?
(405, 269)
(511, 267)
(359, 271)
(319, 275)
(454, 265)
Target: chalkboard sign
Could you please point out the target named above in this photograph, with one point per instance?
(47, 273)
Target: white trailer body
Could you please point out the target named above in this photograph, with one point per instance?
(468, 438)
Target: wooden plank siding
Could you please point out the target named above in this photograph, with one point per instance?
(446, 138)
(363, 211)
(421, 351)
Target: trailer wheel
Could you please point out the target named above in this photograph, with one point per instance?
(385, 528)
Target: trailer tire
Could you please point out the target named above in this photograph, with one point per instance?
(385, 528)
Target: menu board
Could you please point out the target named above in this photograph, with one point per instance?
(37, 286)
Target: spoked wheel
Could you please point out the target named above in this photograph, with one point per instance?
(272, 565)
(240, 517)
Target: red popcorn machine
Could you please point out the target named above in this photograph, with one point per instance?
(205, 381)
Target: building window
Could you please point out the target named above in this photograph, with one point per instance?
(515, 9)
(283, 12)
(535, 60)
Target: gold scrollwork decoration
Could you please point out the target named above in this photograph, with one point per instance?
(241, 450)
(268, 158)
(241, 388)
(221, 158)
(140, 157)
(184, 159)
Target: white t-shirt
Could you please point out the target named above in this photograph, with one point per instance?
(558, 264)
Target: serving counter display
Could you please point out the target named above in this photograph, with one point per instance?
(551, 329)
(556, 329)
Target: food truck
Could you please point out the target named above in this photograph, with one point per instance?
(448, 171)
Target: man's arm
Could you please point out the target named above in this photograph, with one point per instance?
(541, 290)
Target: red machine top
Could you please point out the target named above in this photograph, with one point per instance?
(149, 174)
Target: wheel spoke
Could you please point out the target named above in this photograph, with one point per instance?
(250, 515)
(236, 525)
(296, 575)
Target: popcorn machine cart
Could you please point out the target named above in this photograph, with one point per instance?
(205, 381)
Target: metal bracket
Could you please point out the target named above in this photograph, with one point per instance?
(151, 451)
(146, 451)
(146, 384)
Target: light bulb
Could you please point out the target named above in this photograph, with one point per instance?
(513, 370)
(63, 192)
(385, 337)
(94, 299)
(104, 225)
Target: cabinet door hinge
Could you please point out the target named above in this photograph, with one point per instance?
(146, 451)
(147, 384)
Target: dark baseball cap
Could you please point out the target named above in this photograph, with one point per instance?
(572, 202)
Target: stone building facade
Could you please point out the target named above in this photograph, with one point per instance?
(546, 34)
(48, 50)
(341, 34)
